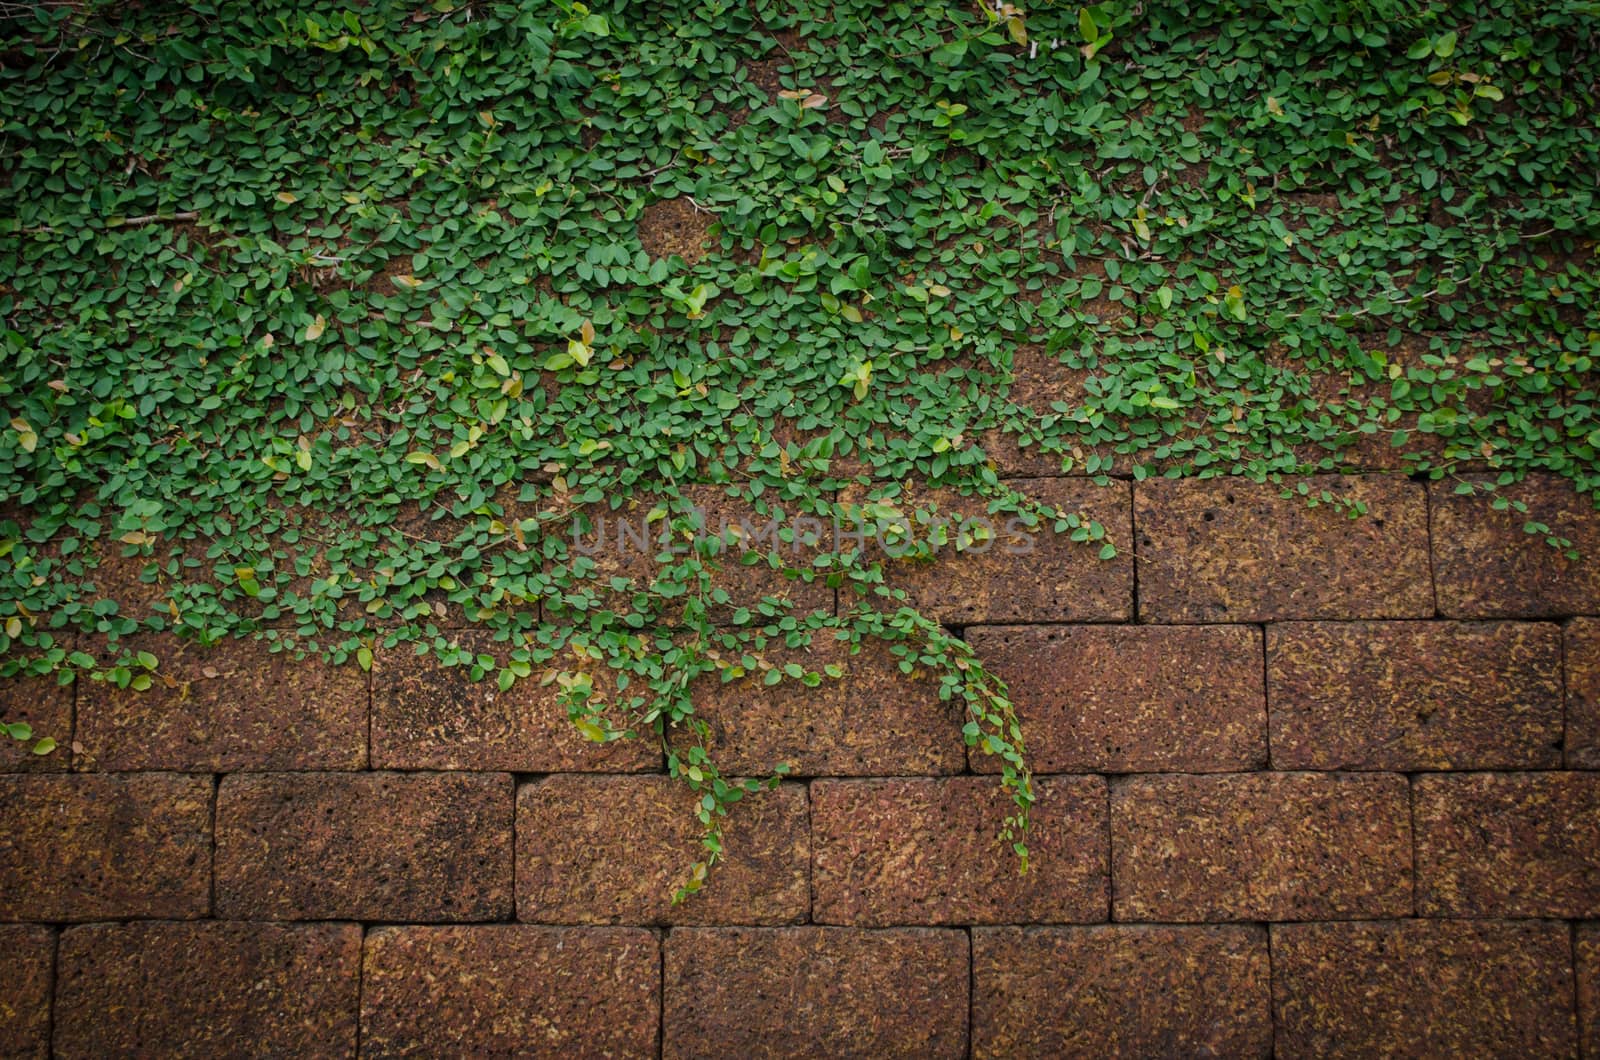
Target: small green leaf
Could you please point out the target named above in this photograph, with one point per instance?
(1086, 26)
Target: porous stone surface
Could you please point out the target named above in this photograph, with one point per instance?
(1020, 574)
(925, 851)
(232, 707)
(1487, 566)
(1411, 696)
(1582, 658)
(874, 720)
(815, 991)
(1508, 844)
(429, 716)
(1283, 809)
(212, 988)
(510, 989)
(1419, 987)
(1587, 953)
(1239, 551)
(1121, 699)
(613, 849)
(46, 706)
(364, 846)
(1121, 990)
(1039, 379)
(1260, 846)
(75, 848)
(28, 985)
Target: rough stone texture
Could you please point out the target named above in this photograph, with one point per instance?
(1508, 844)
(232, 707)
(1582, 656)
(1411, 696)
(364, 846)
(1022, 575)
(1123, 699)
(1238, 551)
(1486, 566)
(926, 851)
(1121, 990)
(25, 990)
(47, 706)
(429, 716)
(1587, 951)
(675, 226)
(504, 990)
(208, 989)
(873, 721)
(1040, 379)
(1261, 846)
(105, 847)
(1423, 988)
(815, 991)
(608, 850)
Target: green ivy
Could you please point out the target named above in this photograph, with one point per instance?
(328, 319)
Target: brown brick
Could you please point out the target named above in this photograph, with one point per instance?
(45, 705)
(1423, 988)
(208, 989)
(1121, 990)
(1486, 566)
(364, 846)
(1233, 550)
(1261, 846)
(1582, 656)
(873, 721)
(611, 541)
(232, 707)
(1410, 696)
(1124, 699)
(141, 583)
(1022, 575)
(1040, 379)
(105, 847)
(429, 716)
(505, 989)
(1587, 951)
(28, 984)
(925, 851)
(605, 850)
(1508, 844)
(1339, 403)
(816, 991)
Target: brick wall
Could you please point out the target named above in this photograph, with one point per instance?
(1308, 786)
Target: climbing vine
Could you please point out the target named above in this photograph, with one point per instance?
(337, 325)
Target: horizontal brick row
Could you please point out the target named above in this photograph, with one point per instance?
(584, 849)
(1228, 550)
(1373, 696)
(1214, 550)
(1402, 696)
(1457, 987)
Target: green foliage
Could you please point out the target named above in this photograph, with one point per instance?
(328, 319)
